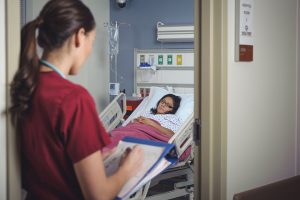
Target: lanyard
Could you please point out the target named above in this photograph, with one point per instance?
(44, 62)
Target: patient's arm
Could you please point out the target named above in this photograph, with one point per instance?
(150, 122)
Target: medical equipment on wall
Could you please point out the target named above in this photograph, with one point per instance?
(169, 68)
(175, 33)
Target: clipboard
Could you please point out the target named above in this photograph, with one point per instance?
(159, 156)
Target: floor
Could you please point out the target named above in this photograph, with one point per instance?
(168, 185)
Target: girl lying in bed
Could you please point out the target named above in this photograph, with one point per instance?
(158, 124)
(163, 117)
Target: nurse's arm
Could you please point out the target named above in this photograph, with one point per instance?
(93, 181)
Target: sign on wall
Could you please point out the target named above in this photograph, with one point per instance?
(244, 30)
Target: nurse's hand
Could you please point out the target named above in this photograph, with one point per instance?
(132, 160)
(105, 154)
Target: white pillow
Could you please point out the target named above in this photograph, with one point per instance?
(186, 105)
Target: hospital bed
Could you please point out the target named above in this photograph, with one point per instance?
(112, 116)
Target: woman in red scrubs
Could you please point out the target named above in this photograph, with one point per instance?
(61, 136)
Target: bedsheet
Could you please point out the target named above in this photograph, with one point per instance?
(143, 131)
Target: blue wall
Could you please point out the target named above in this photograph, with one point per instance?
(142, 15)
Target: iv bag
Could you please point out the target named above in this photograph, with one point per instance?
(113, 40)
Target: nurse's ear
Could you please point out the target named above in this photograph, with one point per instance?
(79, 37)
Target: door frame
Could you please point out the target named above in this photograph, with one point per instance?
(13, 30)
(211, 62)
(3, 131)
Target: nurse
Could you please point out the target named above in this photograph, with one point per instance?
(58, 127)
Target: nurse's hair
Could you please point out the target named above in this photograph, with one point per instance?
(57, 21)
(176, 102)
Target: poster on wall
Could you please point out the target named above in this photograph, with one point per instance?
(244, 31)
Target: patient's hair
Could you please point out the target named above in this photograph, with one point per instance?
(176, 102)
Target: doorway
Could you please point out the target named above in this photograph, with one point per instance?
(206, 187)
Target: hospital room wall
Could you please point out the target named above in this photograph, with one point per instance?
(262, 97)
(3, 152)
(95, 73)
(138, 30)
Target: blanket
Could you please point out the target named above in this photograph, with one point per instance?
(139, 130)
(135, 129)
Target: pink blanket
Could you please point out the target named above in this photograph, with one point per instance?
(137, 130)
(142, 131)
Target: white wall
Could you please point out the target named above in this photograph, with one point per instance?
(3, 162)
(262, 99)
(95, 74)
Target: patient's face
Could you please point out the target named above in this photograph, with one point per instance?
(165, 105)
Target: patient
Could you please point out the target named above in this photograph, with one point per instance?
(159, 124)
(162, 117)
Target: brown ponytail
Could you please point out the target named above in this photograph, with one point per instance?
(24, 81)
(58, 20)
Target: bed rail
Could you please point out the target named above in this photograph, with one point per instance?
(113, 114)
(183, 138)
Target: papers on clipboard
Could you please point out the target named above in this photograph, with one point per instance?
(158, 156)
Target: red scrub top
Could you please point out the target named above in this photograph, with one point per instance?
(61, 128)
